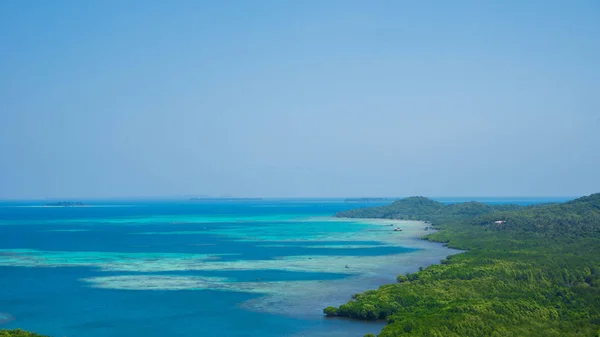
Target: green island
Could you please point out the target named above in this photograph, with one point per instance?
(526, 271)
(18, 333)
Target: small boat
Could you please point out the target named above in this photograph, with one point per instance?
(397, 229)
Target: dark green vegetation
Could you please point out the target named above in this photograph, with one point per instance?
(421, 208)
(18, 333)
(528, 271)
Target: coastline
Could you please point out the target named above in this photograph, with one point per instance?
(525, 270)
(290, 298)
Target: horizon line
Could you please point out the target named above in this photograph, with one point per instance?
(188, 197)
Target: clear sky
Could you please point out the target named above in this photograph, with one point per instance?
(103, 98)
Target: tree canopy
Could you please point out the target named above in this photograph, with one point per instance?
(527, 271)
(18, 333)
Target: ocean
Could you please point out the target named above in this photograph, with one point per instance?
(120, 268)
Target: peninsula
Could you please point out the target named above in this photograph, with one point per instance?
(527, 271)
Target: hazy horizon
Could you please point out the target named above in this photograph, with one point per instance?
(105, 99)
(187, 197)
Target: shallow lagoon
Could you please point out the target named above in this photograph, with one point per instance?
(189, 268)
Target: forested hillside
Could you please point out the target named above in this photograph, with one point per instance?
(528, 271)
(421, 208)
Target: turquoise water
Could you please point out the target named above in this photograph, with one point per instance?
(195, 268)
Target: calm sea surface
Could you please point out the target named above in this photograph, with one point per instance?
(197, 268)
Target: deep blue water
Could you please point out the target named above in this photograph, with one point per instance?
(52, 299)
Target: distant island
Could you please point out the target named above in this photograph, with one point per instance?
(527, 271)
(225, 199)
(367, 199)
(66, 204)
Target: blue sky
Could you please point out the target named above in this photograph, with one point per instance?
(299, 98)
